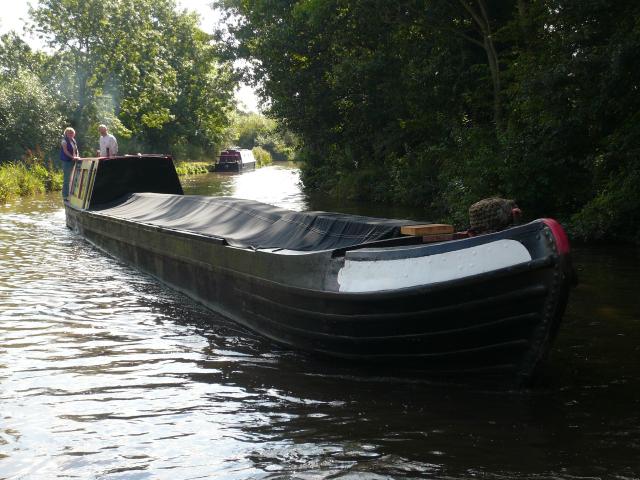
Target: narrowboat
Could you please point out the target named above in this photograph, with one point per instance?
(342, 286)
(235, 161)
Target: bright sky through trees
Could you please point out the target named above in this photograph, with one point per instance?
(14, 19)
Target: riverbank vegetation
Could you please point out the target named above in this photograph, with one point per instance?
(192, 168)
(252, 130)
(160, 87)
(22, 179)
(262, 156)
(430, 104)
(142, 67)
(439, 104)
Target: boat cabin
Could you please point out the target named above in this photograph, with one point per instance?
(100, 181)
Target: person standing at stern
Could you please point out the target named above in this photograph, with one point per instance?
(108, 143)
(68, 153)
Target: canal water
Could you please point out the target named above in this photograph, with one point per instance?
(106, 374)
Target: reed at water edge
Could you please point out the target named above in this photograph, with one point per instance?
(28, 176)
(193, 168)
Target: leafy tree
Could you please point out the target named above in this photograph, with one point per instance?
(204, 87)
(16, 55)
(441, 103)
(251, 130)
(248, 127)
(27, 121)
(75, 29)
(365, 84)
(572, 100)
(141, 63)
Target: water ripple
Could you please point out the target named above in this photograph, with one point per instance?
(106, 374)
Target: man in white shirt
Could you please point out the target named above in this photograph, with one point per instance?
(108, 143)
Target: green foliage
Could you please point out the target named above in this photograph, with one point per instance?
(251, 130)
(141, 67)
(262, 157)
(27, 119)
(16, 56)
(440, 104)
(9, 186)
(614, 212)
(22, 179)
(369, 88)
(192, 168)
(190, 152)
(247, 127)
(574, 132)
(56, 179)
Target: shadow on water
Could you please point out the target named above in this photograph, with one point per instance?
(105, 373)
(312, 415)
(581, 420)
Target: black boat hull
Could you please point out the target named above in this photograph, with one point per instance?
(500, 323)
(339, 285)
(234, 167)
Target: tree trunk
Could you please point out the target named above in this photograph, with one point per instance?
(481, 19)
(523, 20)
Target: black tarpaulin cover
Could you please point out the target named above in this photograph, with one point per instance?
(247, 223)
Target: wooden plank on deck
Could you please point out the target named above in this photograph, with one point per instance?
(431, 229)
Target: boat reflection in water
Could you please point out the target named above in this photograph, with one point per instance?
(340, 285)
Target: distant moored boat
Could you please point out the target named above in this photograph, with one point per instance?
(235, 161)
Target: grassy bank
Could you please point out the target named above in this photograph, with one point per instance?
(19, 179)
(263, 158)
(193, 168)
